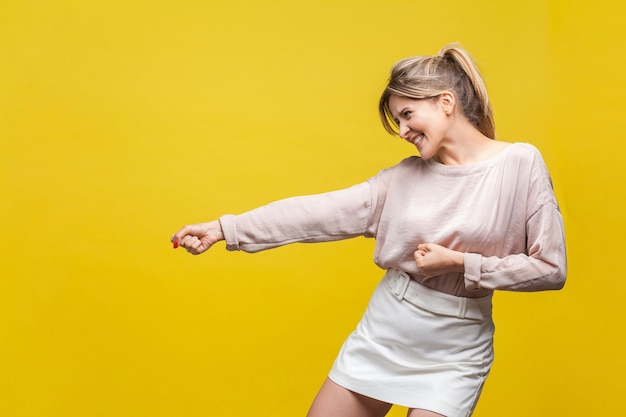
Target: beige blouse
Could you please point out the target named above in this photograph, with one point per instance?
(501, 213)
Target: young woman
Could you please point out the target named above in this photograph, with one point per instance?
(469, 216)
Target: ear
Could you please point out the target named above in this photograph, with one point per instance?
(448, 102)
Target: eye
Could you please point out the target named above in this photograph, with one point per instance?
(407, 114)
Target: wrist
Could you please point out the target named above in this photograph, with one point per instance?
(215, 228)
(459, 261)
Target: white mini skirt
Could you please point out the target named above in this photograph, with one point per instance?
(419, 348)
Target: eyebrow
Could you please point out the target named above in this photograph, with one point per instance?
(401, 112)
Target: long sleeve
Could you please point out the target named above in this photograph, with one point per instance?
(324, 217)
(543, 266)
(501, 213)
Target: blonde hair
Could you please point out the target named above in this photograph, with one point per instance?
(453, 70)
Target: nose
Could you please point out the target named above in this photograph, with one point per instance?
(403, 130)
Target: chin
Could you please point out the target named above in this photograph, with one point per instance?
(424, 155)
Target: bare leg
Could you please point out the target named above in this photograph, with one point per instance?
(418, 412)
(336, 401)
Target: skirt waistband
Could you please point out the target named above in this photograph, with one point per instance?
(404, 288)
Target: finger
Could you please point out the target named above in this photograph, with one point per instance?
(187, 241)
(195, 246)
(419, 255)
(421, 246)
(177, 237)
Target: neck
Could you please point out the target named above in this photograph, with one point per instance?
(464, 144)
(467, 151)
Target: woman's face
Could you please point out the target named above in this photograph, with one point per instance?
(421, 122)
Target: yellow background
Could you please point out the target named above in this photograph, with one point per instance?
(120, 121)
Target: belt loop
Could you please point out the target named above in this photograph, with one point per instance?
(400, 284)
(462, 308)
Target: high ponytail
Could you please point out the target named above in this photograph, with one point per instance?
(479, 113)
(452, 69)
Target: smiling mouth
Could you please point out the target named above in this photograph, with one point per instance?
(417, 139)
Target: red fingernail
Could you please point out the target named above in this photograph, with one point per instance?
(175, 245)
